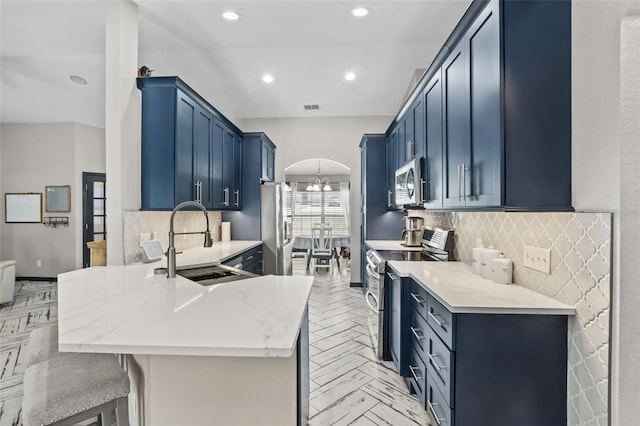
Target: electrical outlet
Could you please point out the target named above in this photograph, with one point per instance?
(39, 263)
(537, 258)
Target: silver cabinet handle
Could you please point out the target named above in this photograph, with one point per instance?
(433, 361)
(237, 197)
(249, 258)
(425, 191)
(415, 333)
(226, 196)
(464, 169)
(433, 411)
(389, 193)
(459, 182)
(198, 186)
(440, 323)
(413, 373)
(409, 152)
(417, 298)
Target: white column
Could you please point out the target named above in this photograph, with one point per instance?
(626, 376)
(122, 121)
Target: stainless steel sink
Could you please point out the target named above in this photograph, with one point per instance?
(211, 275)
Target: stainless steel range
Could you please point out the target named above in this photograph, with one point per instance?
(437, 246)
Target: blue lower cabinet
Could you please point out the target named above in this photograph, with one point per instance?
(479, 369)
(437, 406)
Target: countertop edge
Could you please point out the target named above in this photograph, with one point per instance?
(280, 352)
(569, 311)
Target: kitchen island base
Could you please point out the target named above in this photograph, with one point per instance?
(202, 390)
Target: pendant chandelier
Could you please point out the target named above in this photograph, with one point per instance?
(315, 184)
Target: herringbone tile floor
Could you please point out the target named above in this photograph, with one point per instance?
(348, 384)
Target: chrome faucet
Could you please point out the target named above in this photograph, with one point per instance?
(171, 251)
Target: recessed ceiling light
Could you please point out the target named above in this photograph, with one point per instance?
(360, 12)
(77, 79)
(350, 76)
(267, 78)
(230, 15)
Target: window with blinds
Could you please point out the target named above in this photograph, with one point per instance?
(319, 207)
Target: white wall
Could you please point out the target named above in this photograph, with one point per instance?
(333, 138)
(35, 156)
(597, 158)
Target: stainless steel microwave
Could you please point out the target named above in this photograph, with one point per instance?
(408, 187)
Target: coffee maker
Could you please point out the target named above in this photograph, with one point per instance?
(412, 233)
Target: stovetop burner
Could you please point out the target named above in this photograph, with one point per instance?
(407, 255)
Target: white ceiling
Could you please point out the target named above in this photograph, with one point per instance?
(307, 45)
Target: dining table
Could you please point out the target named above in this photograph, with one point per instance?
(305, 242)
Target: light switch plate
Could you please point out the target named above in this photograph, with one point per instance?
(537, 258)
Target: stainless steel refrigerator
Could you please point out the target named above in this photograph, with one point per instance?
(276, 210)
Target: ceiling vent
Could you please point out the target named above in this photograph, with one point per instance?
(310, 107)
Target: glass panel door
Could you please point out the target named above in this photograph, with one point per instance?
(94, 211)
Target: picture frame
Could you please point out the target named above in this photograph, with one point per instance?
(58, 199)
(23, 207)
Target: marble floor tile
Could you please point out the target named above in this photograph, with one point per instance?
(337, 368)
(346, 410)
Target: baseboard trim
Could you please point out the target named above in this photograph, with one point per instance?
(37, 279)
(355, 284)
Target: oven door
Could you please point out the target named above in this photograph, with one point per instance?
(372, 295)
(375, 320)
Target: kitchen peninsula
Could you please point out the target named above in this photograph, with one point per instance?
(231, 353)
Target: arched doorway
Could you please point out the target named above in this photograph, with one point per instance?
(320, 190)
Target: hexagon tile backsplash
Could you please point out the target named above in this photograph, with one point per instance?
(137, 222)
(580, 276)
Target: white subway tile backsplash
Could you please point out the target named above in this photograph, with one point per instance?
(580, 275)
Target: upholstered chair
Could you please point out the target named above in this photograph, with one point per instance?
(7, 280)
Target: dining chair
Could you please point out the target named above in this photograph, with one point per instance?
(321, 250)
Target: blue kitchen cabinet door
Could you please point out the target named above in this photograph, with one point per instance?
(483, 187)
(202, 147)
(237, 172)
(433, 174)
(217, 161)
(473, 122)
(268, 160)
(227, 169)
(457, 153)
(401, 145)
(418, 124)
(184, 149)
(392, 165)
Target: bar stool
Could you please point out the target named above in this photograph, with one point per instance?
(43, 344)
(70, 387)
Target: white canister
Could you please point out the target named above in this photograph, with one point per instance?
(476, 257)
(225, 231)
(488, 254)
(502, 270)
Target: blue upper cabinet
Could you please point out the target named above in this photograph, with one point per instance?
(434, 141)
(504, 79)
(391, 166)
(268, 160)
(189, 151)
(472, 111)
(457, 155)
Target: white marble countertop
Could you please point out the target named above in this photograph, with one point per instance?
(219, 252)
(128, 309)
(390, 245)
(455, 286)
